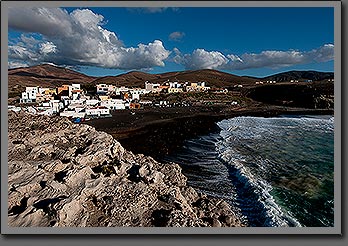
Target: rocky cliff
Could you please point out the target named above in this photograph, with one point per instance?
(63, 174)
(316, 95)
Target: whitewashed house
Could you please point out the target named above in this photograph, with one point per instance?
(197, 86)
(175, 87)
(65, 100)
(75, 91)
(92, 102)
(150, 87)
(105, 89)
(76, 107)
(97, 111)
(73, 113)
(102, 88)
(73, 87)
(135, 93)
(77, 101)
(29, 95)
(56, 105)
(31, 110)
(119, 90)
(114, 104)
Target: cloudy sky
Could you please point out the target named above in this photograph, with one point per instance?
(110, 41)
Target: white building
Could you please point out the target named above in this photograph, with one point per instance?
(74, 87)
(56, 106)
(102, 89)
(75, 91)
(197, 86)
(105, 89)
(150, 87)
(92, 102)
(73, 113)
(136, 93)
(97, 111)
(114, 104)
(175, 87)
(76, 107)
(121, 89)
(163, 103)
(74, 102)
(29, 95)
(174, 84)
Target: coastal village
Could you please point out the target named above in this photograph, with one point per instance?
(74, 102)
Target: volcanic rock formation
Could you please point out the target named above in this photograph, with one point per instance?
(64, 174)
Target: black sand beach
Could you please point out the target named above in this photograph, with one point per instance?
(160, 131)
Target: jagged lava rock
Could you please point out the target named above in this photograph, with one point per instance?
(65, 174)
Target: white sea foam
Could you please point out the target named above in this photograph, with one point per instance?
(251, 152)
(275, 215)
(245, 130)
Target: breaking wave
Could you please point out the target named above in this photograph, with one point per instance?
(275, 171)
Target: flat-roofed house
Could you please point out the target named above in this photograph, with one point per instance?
(113, 104)
(97, 111)
(135, 94)
(73, 113)
(105, 89)
(56, 105)
(29, 95)
(102, 89)
(175, 87)
(197, 87)
(92, 102)
(151, 87)
(119, 90)
(75, 91)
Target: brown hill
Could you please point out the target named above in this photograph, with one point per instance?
(213, 78)
(301, 76)
(43, 75)
(133, 78)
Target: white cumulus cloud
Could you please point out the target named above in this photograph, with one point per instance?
(77, 38)
(202, 59)
(13, 64)
(47, 48)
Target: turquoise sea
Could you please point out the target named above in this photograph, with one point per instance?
(276, 171)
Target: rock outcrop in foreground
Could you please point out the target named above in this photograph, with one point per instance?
(63, 174)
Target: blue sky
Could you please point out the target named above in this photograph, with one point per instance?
(242, 41)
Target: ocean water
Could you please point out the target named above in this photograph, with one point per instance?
(275, 171)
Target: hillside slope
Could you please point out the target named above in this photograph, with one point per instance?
(300, 75)
(43, 75)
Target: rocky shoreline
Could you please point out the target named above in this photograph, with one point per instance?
(62, 174)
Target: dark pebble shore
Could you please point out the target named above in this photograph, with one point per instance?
(158, 132)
